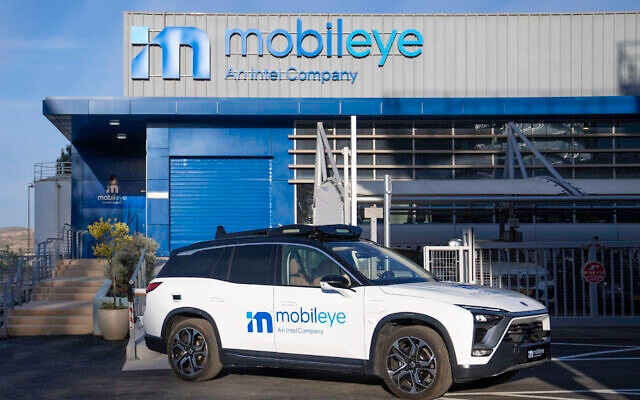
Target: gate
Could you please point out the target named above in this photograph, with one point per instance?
(549, 272)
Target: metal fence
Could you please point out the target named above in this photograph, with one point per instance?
(18, 278)
(591, 279)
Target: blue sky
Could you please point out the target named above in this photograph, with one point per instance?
(74, 48)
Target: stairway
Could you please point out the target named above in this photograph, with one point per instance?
(63, 305)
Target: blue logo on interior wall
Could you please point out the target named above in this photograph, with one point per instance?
(170, 39)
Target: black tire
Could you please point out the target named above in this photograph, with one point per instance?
(193, 350)
(414, 363)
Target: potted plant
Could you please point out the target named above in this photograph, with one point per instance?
(113, 314)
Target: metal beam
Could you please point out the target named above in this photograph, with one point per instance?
(560, 180)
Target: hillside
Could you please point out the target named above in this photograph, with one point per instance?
(15, 238)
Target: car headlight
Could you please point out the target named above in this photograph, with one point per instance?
(488, 325)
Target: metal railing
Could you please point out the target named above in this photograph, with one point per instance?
(553, 273)
(137, 293)
(68, 245)
(19, 276)
(42, 171)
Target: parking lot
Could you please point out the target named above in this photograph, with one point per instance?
(587, 363)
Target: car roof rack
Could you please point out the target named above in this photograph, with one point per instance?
(221, 233)
(327, 232)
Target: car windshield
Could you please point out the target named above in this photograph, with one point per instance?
(380, 265)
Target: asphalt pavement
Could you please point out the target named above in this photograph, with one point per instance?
(589, 363)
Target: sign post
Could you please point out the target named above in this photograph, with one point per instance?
(373, 213)
(594, 273)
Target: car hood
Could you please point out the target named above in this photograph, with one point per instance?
(466, 294)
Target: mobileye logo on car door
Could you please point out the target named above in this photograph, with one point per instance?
(262, 322)
(170, 39)
(259, 321)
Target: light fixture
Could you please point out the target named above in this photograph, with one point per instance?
(114, 122)
(121, 136)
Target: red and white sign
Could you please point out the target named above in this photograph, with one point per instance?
(593, 272)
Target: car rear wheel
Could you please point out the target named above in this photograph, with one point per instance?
(414, 363)
(193, 350)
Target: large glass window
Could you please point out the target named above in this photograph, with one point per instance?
(210, 263)
(305, 266)
(577, 148)
(253, 264)
(433, 144)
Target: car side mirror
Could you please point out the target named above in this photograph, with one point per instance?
(335, 282)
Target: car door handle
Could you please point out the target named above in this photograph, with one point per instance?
(289, 303)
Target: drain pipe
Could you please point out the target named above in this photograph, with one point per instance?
(387, 211)
(354, 174)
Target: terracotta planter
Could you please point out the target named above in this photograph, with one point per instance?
(114, 324)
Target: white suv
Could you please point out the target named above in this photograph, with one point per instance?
(304, 296)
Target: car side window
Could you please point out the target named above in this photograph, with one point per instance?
(209, 263)
(305, 266)
(253, 264)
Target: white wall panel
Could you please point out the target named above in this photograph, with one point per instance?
(506, 55)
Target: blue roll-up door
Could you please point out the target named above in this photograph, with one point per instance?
(207, 192)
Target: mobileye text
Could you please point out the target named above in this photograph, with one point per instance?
(358, 43)
(313, 316)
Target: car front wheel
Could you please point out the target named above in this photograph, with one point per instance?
(414, 363)
(193, 350)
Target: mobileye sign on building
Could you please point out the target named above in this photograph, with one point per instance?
(331, 42)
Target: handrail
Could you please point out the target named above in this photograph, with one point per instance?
(23, 274)
(5, 308)
(42, 171)
(141, 262)
(136, 281)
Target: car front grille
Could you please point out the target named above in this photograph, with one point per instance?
(521, 333)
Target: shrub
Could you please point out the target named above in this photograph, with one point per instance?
(110, 237)
(126, 258)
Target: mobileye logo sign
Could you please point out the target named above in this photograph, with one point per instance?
(279, 43)
(311, 43)
(296, 322)
(170, 39)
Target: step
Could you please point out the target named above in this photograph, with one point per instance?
(72, 281)
(50, 320)
(66, 289)
(64, 296)
(81, 267)
(89, 263)
(80, 272)
(45, 330)
(53, 308)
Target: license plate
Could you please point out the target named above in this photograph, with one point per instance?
(536, 353)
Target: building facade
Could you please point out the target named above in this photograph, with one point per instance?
(217, 125)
